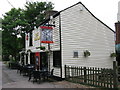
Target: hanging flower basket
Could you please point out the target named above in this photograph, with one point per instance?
(113, 55)
(29, 51)
(41, 47)
(86, 53)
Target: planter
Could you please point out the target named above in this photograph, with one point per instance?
(113, 55)
(86, 53)
(41, 48)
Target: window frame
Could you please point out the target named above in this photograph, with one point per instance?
(75, 54)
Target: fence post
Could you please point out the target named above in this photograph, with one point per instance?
(115, 76)
(65, 71)
(85, 77)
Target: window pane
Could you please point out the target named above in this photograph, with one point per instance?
(75, 54)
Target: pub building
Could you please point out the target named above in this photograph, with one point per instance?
(64, 37)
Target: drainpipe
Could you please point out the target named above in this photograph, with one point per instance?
(49, 57)
(60, 44)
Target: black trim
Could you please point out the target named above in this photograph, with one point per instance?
(60, 43)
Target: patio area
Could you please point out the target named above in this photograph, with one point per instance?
(12, 79)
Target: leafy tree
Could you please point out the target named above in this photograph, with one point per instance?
(35, 13)
(20, 21)
(12, 24)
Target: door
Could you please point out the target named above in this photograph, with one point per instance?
(32, 58)
(37, 60)
(43, 60)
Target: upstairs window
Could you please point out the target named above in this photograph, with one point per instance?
(75, 54)
(30, 42)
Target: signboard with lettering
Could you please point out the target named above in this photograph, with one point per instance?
(36, 37)
(46, 34)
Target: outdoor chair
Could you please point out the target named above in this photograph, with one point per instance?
(30, 75)
(18, 68)
(36, 76)
(49, 74)
(21, 69)
(24, 70)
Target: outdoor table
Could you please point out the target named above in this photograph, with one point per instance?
(38, 74)
(27, 69)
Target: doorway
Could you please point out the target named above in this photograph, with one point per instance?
(32, 58)
(43, 60)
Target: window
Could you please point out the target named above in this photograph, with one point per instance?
(56, 59)
(75, 54)
(30, 42)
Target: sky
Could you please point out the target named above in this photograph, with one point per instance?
(105, 10)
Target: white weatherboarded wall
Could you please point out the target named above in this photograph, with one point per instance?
(56, 45)
(81, 31)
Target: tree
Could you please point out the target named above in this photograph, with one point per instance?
(12, 24)
(35, 13)
(20, 21)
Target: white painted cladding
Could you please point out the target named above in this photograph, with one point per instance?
(56, 69)
(81, 31)
(56, 45)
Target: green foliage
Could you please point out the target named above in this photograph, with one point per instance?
(20, 21)
(41, 47)
(86, 53)
(35, 13)
(113, 55)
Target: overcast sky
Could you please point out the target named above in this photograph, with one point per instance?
(105, 10)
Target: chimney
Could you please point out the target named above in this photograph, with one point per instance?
(117, 28)
(50, 13)
(117, 25)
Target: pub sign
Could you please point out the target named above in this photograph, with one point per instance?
(46, 34)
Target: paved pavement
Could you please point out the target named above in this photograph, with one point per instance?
(12, 79)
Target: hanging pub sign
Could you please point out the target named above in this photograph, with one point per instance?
(46, 34)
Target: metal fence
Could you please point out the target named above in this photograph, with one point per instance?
(99, 77)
